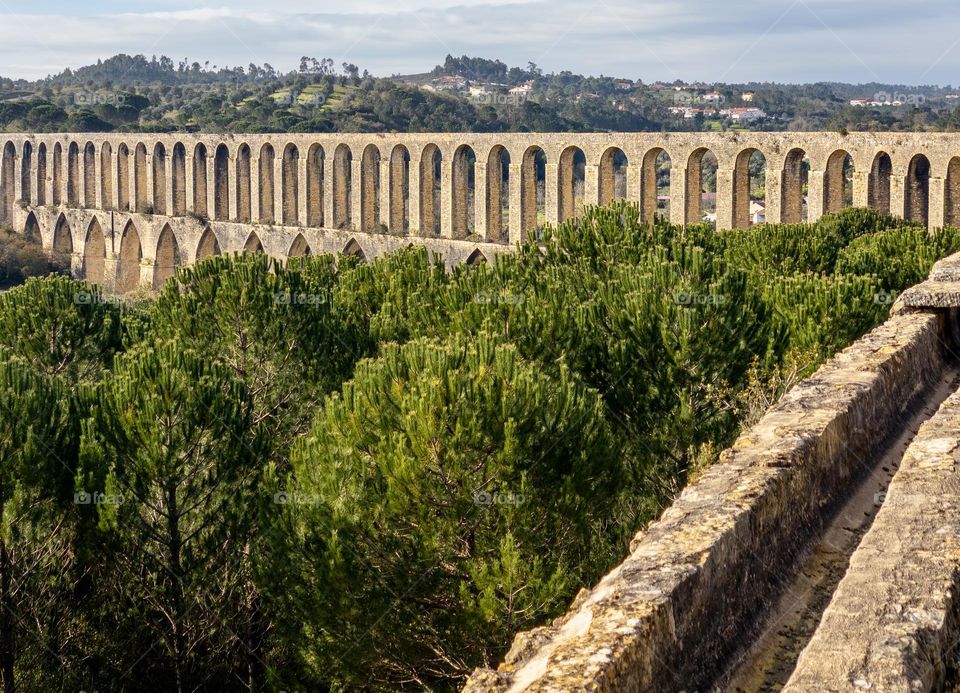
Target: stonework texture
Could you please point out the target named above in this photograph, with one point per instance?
(381, 191)
(894, 620)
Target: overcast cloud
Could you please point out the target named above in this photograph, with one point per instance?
(733, 41)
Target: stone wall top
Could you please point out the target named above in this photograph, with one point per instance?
(940, 290)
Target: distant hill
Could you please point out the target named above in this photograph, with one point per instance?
(126, 92)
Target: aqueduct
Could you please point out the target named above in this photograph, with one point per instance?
(128, 208)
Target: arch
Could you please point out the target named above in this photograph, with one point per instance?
(7, 187)
(476, 258)
(265, 178)
(73, 174)
(42, 174)
(342, 187)
(159, 179)
(63, 241)
(31, 229)
(253, 244)
(290, 185)
(94, 254)
(917, 191)
(431, 161)
(128, 264)
(370, 189)
(749, 175)
(90, 175)
(463, 179)
(399, 197)
(532, 191)
(221, 183)
(878, 182)
(57, 173)
(498, 197)
(701, 182)
(838, 182)
(353, 249)
(179, 173)
(655, 182)
(951, 203)
(315, 161)
(612, 176)
(570, 183)
(106, 176)
(208, 245)
(26, 168)
(796, 168)
(244, 213)
(167, 257)
(141, 199)
(123, 178)
(199, 181)
(299, 247)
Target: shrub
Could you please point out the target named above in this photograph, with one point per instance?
(21, 259)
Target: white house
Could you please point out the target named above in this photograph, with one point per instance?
(744, 115)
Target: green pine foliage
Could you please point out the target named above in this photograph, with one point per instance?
(279, 330)
(898, 257)
(790, 248)
(460, 476)
(824, 312)
(340, 475)
(60, 327)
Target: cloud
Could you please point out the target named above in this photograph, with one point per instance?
(741, 40)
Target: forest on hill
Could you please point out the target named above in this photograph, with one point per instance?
(136, 93)
(333, 475)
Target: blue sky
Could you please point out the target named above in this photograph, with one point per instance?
(714, 40)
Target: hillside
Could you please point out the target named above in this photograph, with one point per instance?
(128, 93)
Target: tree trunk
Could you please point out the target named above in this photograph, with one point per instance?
(6, 622)
(176, 587)
(256, 633)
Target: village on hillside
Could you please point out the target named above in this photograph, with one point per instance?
(684, 101)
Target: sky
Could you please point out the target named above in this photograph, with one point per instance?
(915, 42)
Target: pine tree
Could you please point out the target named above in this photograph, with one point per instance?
(276, 328)
(281, 332)
(38, 441)
(450, 495)
(170, 443)
(61, 327)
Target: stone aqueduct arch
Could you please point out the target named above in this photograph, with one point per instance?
(95, 254)
(7, 189)
(183, 197)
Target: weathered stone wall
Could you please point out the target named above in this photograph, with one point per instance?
(667, 618)
(894, 620)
